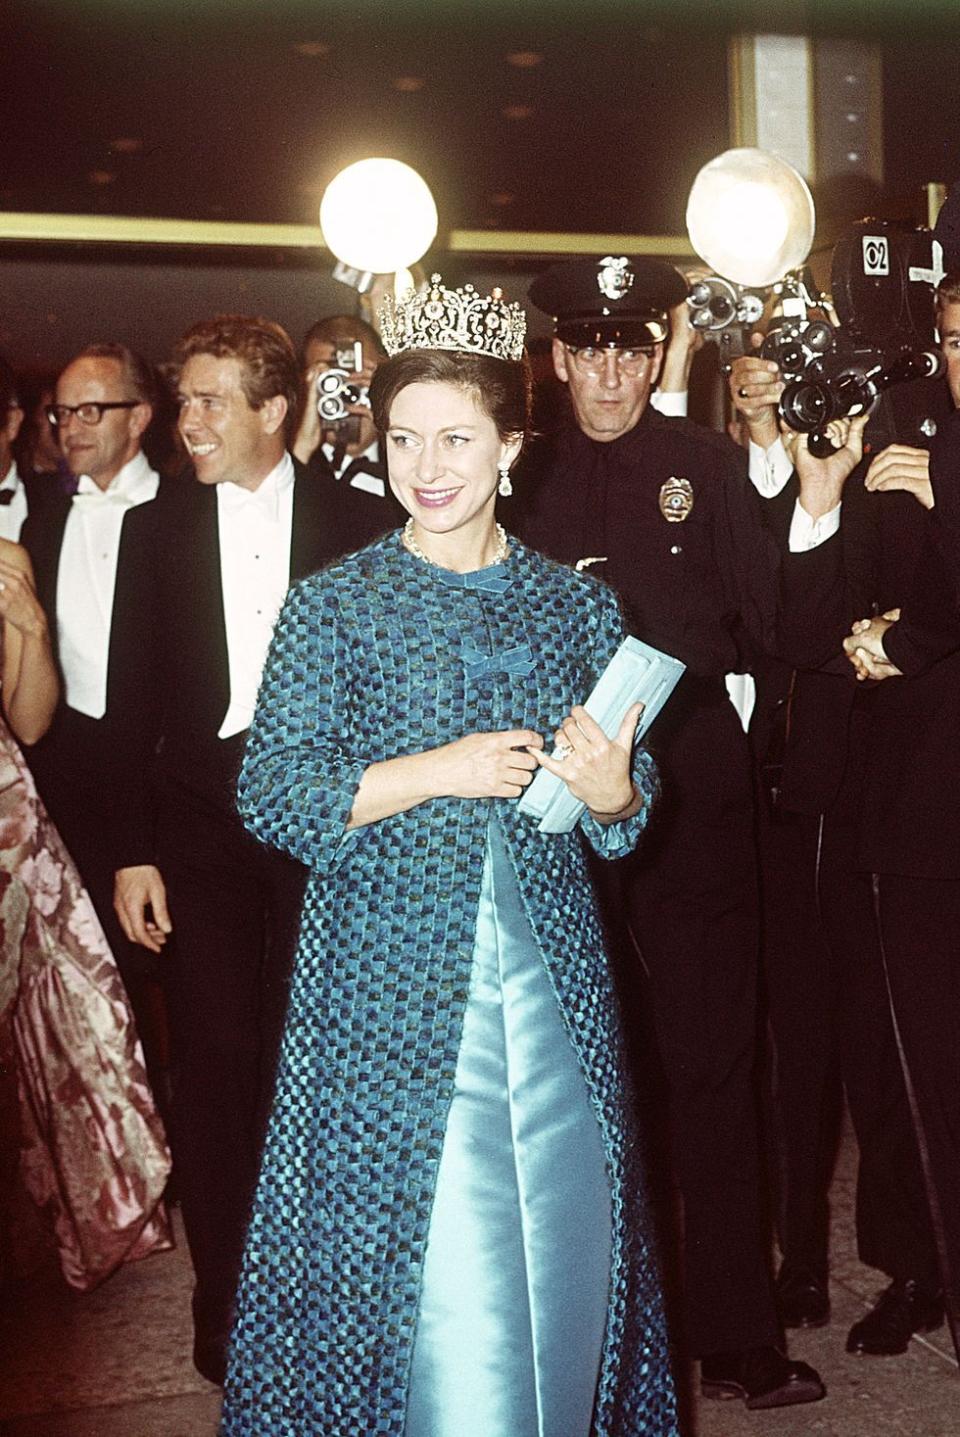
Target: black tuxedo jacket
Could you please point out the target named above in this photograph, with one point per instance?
(101, 764)
(909, 820)
(189, 631)
(361, 517)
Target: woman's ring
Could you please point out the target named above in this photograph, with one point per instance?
(562, 751)
(742, 392)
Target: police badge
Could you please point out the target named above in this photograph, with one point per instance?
(676, 499)
(614, 277)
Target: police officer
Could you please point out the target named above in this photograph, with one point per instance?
(663, 510)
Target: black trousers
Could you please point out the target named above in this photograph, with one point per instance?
(920, 926)
(691, 898)
(829, 1017)
(235, 909)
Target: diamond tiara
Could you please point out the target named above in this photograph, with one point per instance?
(458, 319)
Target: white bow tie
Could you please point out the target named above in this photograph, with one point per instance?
(264, 501)
(90, 495)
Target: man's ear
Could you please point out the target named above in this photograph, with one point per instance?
(140, 420)
(273, 412)
(657, 362)
(12, 426)
(559, 352)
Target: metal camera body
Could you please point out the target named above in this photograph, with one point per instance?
(336, 388)
(726, 313)
(882, 277)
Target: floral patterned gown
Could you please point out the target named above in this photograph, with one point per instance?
(92, 1150)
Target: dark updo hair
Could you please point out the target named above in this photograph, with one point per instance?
(501, 387)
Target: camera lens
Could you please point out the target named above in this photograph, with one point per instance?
(722, 309)
(818, 336)
(330, 407)
(807, 407)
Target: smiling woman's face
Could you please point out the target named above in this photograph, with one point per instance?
(443, 453)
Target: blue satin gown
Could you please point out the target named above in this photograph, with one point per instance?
(516, 1271)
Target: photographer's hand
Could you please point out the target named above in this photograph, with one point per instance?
(309, 431)
(822, 480)
(755, 389)
(683, 343)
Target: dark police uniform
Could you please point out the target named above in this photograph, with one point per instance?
(668, 510)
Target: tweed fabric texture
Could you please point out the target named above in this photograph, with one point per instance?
(378, 656)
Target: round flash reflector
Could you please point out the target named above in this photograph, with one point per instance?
(750, 216)
(378, 215)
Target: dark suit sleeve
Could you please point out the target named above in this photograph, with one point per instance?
(929, 627)
(135, 690)
(788, 601)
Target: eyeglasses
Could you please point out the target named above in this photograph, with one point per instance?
(590, 359)
(87, 413)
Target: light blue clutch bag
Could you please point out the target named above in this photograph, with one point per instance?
(637, 673)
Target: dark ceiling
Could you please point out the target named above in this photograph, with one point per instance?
(520, 116)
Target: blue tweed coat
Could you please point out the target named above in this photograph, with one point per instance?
(381, 655)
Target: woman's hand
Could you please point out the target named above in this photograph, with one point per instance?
(19, 604)
(481, 765)
(487, 765)
(30, 685)
(596, 769)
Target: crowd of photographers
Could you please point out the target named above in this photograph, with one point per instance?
(160, 594)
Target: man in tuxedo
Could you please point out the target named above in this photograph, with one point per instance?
(91, 554)
(346, 452)
(827, 996)
(224, 909)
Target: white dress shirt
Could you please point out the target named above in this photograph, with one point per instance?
(13, 513)
(769, 471)
(672, 403)
(371, 483)
(256, 527)
(87, 577)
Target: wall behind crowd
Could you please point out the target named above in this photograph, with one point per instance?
(51, 307)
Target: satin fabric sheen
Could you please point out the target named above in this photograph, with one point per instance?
(92, 1152)
(516, 1271)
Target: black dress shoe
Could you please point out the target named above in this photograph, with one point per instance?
(903, 1309)
(802, 1298)
(762, 1376)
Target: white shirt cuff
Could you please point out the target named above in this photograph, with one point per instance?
(769, 468)
(673, 405)
(807, 533)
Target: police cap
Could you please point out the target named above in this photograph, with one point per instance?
(617, 300)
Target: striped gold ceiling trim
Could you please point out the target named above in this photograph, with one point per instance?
(116, 229)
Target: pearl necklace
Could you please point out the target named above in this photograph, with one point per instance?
(503, 544)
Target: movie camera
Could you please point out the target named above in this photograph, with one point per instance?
(750, 217)
(336, 387)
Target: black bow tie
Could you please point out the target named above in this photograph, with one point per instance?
(362, 465)
(6, 496)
